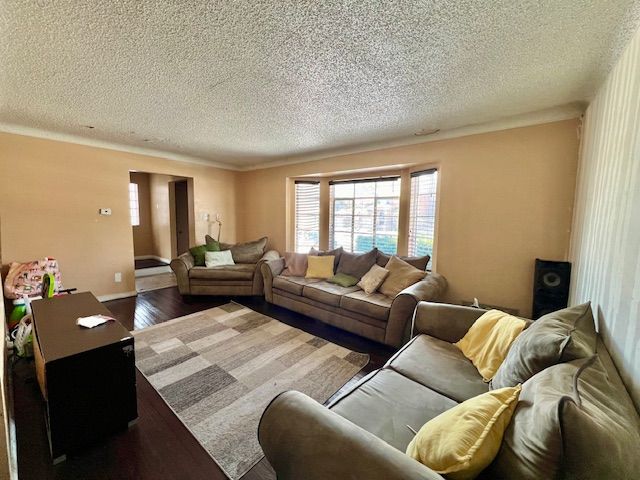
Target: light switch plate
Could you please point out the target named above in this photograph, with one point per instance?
(105, 211)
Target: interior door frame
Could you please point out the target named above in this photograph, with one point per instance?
(172, 214)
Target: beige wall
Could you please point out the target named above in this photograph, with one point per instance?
(605, 247)
(505, 198)
(50, 195)
(143, 233)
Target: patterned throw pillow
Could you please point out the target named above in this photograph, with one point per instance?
(372, 280)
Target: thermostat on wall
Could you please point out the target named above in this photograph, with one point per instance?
(105, 211)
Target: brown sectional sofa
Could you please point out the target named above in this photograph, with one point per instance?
(574, 420)
(374, 316)
(239, 279)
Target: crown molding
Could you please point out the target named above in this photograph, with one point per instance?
(566, 112)
(90, 142)
(556, 114)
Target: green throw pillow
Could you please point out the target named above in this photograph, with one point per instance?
(213, 246)
(343, 280)
(198, 255)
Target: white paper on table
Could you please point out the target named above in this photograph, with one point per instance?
(93, 320)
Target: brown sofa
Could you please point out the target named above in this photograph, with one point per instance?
(243, 278)
(375, 316)
(574, 420)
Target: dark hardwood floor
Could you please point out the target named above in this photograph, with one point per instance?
(149, 263)
(158, 446)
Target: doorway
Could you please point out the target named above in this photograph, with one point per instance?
(181, 206)
(162, 223)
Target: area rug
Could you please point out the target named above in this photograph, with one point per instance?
(218, 369)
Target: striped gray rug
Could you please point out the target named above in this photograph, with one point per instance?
(218, 369)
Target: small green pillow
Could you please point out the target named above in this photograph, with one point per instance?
(213, 246)
(343, 280)
(198, 255)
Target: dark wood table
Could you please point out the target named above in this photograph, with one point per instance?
(86, 375)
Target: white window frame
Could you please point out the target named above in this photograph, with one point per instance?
(375, 198)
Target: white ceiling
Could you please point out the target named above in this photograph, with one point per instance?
(247, 82)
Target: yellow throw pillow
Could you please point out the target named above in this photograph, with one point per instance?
(401, 275)
(319, 267)
(488, 340)
(464, 440)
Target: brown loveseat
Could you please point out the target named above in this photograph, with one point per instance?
(375, 316)
(574, 420)
(243, 278)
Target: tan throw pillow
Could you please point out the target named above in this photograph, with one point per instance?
(319, 267)
(401, 275)
(295, 264)
(463, 441)
(373, 279)
(336, 252)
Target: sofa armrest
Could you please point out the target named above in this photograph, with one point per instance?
(258, 280)
(399, 325)
(181, 267)
(303, 439)
(444, 321)
(269, 270)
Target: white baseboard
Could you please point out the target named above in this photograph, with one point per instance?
(115, 296)
(152, 257)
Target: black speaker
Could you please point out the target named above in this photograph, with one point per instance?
(550, 287)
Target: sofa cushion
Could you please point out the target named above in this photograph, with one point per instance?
(401, 275)
(198, 254)
(319, 267)
(488, 340)
(293, 284)
(386, 402)
(372, 280)
(326, 292)
(440, 366)
(419, 262)
(462, 441)
(574, 420)
(374, 305)
(248, 252)
(336, 253)
(243, 271)
(295, 264)
(557, 337)
(355, 264)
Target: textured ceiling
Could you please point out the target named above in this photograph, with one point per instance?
(246, 82)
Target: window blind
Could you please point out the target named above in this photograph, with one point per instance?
(364, 214)
(422, 214)
(307, 220)
(134, 204)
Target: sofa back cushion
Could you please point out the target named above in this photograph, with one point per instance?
(573, 420)
(336, 253)
(248, 252)
(401, 275)
(557, 337)
(419, 262)
(355, 264)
